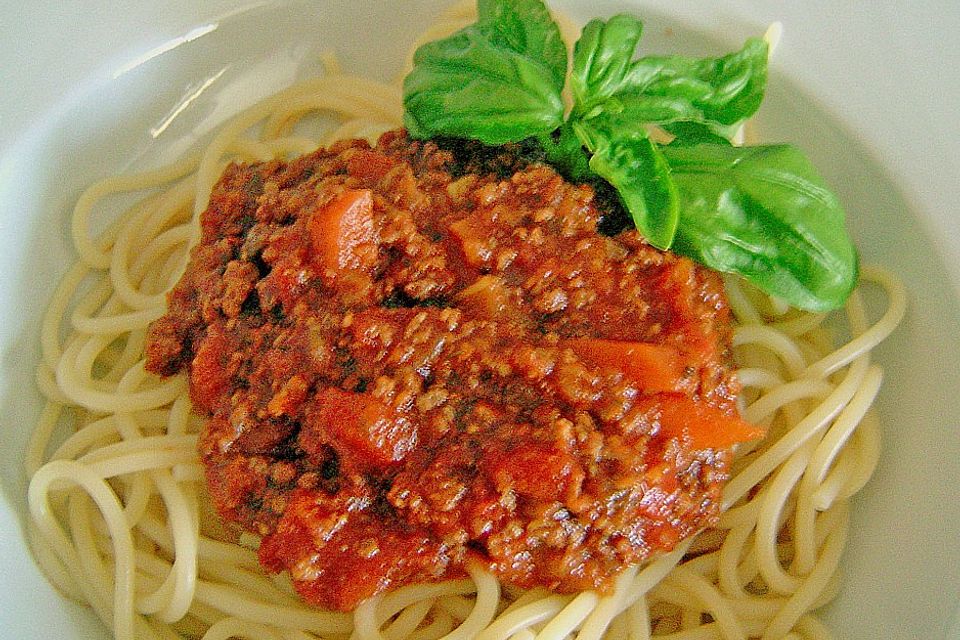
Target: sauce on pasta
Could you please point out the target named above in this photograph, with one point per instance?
(411, 358)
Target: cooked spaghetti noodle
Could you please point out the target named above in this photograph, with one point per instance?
(119, 517)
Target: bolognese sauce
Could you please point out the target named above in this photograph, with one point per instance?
(412, 357)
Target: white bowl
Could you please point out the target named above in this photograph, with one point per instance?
(90, 89)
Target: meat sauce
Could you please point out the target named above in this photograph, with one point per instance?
(410, 361)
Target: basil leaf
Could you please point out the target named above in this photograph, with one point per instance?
(602, 59)
(687, 133)
(496, 81)
(724, 90)
(624, 156)
(764, 213)
(718, 92)
(526, 27)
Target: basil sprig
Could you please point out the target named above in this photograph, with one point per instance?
(761, 211)
(498, 80)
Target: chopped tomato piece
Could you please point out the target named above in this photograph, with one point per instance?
(475, 244)
(490, 298)
(342, 231)
(654, 367)
(534, 470)
(707, 427)
(362, 430)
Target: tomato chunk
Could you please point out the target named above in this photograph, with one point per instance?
(489, 297)
(342, 232)
(535, 470)
(473, 241)
(364, 432)
(654, 367)
(707, 427)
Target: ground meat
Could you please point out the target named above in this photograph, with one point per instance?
(414, 355)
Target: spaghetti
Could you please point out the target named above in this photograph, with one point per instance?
(118, 513)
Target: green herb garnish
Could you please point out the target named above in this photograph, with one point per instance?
(759, 211)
